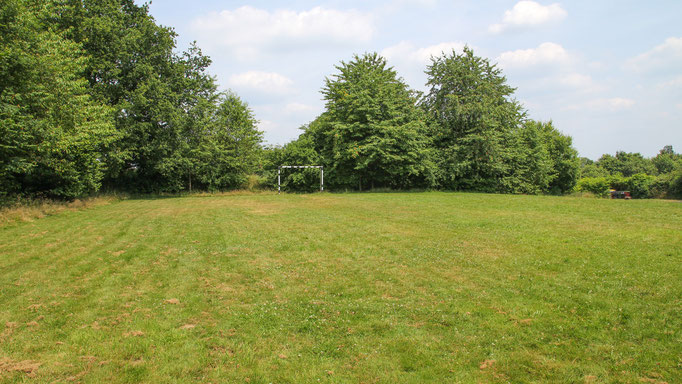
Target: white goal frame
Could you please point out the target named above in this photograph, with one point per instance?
(279, 172)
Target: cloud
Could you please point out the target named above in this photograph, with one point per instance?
(248, 31)
(545, 54)
(270, 82)
(408, 52)
(675, 82)
(613, 104)
(527, 14)
(297, 108)
(666, 57)
(575, 80)
(268, 126)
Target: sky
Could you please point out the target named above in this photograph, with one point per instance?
(607, 73)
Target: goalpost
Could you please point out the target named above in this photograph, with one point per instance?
(279, 172)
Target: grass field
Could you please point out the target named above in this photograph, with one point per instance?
(348, 288)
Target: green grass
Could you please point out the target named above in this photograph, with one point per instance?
(396, 287)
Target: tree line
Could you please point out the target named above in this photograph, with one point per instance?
(656, 177)
(466, 132)
(95, 96)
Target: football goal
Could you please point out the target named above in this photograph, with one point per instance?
(279, 173)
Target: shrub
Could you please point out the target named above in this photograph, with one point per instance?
(599, 186)
(675, 186)
(640, 185)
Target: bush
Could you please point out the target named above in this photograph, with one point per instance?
(640, 185)
(599, 186)
(675, 186)
(661, 186)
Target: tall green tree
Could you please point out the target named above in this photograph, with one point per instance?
(476, 118)
(52, 134)
(564, 159)
(372, 134)
(232, 145)
(132, 67)
(531, 163)
(626, 164)
(667, 160)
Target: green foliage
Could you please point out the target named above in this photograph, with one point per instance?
(640, 185)
(476, 118)
(644, 178)
(52, 134)
(372, 134)
(231, 142)
(565, 161)
(626, 164)
(675, 186)
(93, 89)
(543, 160)
(598, 186)
(298, 152)
(482, 138)
(667, 160)
(589, 168)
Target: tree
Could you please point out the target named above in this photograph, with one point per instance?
(131, 66)
(531, 162)
(564, 158)
(298, 152)
(232, 145)
(476, 121)
(372, 134)
(667, 160)
(626, 164)
(52, 134)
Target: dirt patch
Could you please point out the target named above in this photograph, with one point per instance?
(485, 364)
(188, 326)
(29, 367)
(9, 330)
(172, 301)
(134, 334)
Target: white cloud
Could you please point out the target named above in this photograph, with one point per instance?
(297, 108)
(544, 54)
(408, 52)
(268, 126)
(247, 31)
(613, 104)
(528, 14)
(675, 82)
(270, 82)
(663, 57)
(575, 80)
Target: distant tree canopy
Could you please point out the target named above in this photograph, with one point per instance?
(659, 176)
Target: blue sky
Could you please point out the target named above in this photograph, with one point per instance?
(608, 73)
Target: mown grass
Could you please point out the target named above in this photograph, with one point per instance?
(398, 287)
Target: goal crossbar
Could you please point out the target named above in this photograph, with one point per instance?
(279, 172)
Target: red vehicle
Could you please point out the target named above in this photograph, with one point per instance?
(620, 195)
